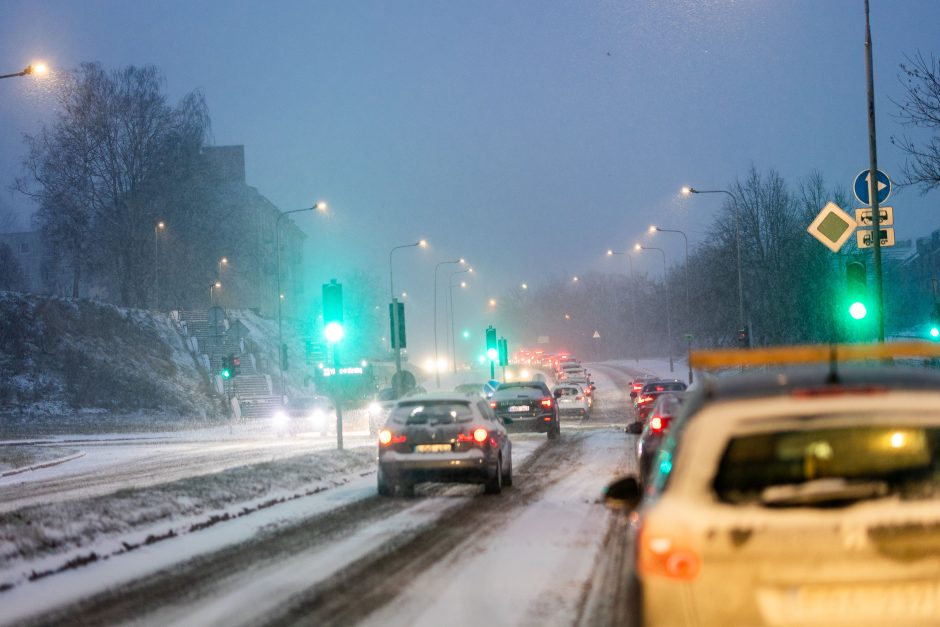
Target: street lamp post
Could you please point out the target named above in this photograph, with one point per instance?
(159, 226)
(737, 241)
(394, 315)
(688, 281)
(213, 286)
(611, 253)
(319, 206)
(437, 368)
(666, 295)
(453, 337)
(39, 69)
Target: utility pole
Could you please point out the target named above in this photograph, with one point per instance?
(873, 184)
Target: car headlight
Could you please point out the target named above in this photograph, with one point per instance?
(280, 418)
(375, 408)
(317, 415)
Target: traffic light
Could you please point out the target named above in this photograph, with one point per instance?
(333, 312)
(503, 352)
(492, 349)
(226, 371)
(397, 334)
(856, 290)
(743, 338)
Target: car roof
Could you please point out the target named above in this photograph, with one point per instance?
(454, 397)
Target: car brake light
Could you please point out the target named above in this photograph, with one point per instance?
(579, 398)
(657, 424)
(644, 399)
(480, 435)
(667, 555)
(386, 437)
(546, 402)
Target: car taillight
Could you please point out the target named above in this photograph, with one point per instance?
(493, 404)
(644, 399)
(386, 437)
(480, 435)
(580, 398)
(657, 424)
(546, 402)
(667, 555)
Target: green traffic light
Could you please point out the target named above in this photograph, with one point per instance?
(935, 332)
(226, 373)
(334, 332)
(858, 310)
(466, 334)
(492, 353)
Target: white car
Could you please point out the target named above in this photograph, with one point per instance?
(572, 400)
(794, 499)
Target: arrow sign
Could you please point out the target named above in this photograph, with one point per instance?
(862, 187)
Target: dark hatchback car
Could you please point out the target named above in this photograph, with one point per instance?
(527, 406)
(648, 395)
(665, 409)
(447, 437)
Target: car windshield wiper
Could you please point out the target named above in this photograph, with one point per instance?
(822, 492)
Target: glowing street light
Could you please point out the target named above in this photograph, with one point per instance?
(37, 69)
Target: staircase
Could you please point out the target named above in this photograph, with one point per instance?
(251, 388)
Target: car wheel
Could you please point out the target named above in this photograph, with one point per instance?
(406, 487)
(384, 487)
(507, 477)
(494, 485)
(554, 432)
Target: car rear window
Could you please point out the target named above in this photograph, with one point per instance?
(431, 412)
(830, 467)
(567, 391)
(663, 386)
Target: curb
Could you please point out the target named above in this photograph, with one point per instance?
(49, 464)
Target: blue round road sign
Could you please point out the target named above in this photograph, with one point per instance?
(489, 387)
(860, 187)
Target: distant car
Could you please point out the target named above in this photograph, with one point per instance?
(471, 388)
(665, 410)
(572, 399)
(637, 384)
(448, 437)
(304, 414)
(527, 406)
(379, 408)
(792, 497)
(649, 393)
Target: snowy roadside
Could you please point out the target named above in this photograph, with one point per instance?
(15, 459)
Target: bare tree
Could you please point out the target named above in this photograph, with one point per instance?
(920, 78)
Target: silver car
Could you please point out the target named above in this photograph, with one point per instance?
(448, 437)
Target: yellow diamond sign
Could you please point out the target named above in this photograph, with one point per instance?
(833, 227)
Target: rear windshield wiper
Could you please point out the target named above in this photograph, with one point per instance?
(822, 492)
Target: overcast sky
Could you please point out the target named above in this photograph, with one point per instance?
(527, 136)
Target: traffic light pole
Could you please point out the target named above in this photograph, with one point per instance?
(395, 343)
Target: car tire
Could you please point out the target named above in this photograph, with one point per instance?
(554, 432)
(494, 485)
(384, 487)
(507, 476)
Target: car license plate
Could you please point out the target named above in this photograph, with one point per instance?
(513, 408)
(433, 448)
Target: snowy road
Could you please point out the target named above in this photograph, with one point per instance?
(452, 555)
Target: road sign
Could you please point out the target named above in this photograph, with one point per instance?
(866, 239)
(596, 335)
(490, 387)
(832, 227)
(404, 381)
(863, 216)
(862, 191)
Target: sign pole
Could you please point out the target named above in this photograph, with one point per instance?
(395, 343)
(873, 183)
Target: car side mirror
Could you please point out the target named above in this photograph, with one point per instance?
(623, 494)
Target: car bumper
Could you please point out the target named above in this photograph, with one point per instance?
(539, 424)
(417, 467)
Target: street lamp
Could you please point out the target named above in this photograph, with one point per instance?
(214, 286)
(222, 261)
(611, 253)
(688, 280)
(319, 206)
(157, 228)
(453, 337)
(437, 358)
(39, 69)
(394, 312)
(666, 295)
(737, 240)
